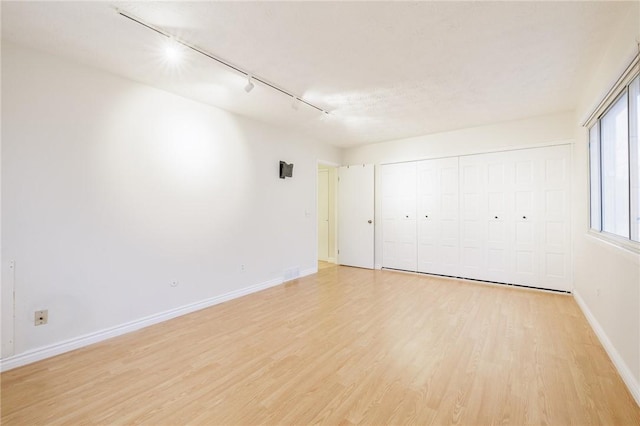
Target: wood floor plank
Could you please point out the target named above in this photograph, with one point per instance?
(346, 346)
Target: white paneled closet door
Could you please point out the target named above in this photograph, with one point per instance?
(554, 193)
(542, 240)
(399, 216)
(438, 222)
(500, 219)
(515, 219)
(487, 219)
(473, 217)
(528, 214)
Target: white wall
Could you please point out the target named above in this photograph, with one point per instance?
(615, 311)
(111, 190)
(529, 133)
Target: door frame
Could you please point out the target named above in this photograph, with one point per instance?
(323, 221)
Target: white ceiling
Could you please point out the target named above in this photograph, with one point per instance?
(385, 70)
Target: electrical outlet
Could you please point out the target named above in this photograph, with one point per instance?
(41, 317)
(242, 267)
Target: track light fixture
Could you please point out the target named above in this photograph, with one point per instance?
(250, 84)
(249, 87)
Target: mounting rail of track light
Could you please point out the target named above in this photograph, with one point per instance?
(250, 76)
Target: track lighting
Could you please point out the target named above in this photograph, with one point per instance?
(174, 52)
(249, 87)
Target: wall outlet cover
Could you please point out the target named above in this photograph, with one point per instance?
(41, 317)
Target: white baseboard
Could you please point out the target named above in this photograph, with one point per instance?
(309, 271)
(331, 260)
(618, 362)
(98, 336)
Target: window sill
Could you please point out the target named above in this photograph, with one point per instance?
(614, 241)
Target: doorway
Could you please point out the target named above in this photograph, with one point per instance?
(327, 213)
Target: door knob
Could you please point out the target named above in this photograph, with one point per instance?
(369, 221)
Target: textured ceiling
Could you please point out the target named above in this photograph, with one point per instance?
(385, 70)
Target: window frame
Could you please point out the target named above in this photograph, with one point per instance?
(634, 154)
(598, 162)
(622, 88)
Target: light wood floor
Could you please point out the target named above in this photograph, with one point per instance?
(345, 346)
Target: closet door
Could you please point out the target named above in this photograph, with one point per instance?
(399, 216)
(528, 217)
(515, 218)
(438, 221)
(487, 222)
(554, 193)
(542, 240)
(499, 219)
(473, 217)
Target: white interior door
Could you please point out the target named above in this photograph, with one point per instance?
(438, 221)
(399, 233)
(500, 217)
(356, 216)
(527, 216)
(323, 214)
(473, 217)
(555, 236)
(515, 217)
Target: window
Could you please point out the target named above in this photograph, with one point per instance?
(634, 153)
(614, 154)
(614, 166)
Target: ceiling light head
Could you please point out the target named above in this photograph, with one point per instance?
(172, 51)
(249, 87)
